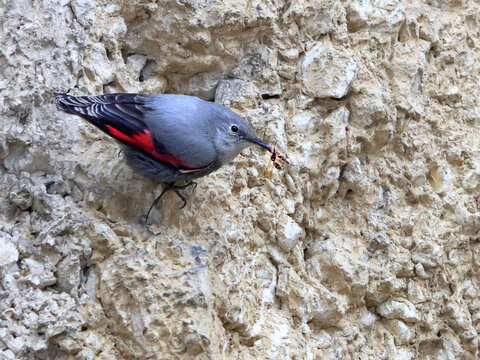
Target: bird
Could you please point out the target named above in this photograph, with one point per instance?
(167, 137)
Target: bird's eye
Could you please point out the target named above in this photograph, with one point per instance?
(234, 128)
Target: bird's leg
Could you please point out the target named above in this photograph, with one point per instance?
(186, 185)
(181, 197)
(155, 202)
(178, 187)
(174, 188)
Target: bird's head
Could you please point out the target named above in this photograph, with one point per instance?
(233, 135)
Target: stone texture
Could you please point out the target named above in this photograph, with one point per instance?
(366, 247)
(327, 72)
(404, 310)
(8, 253)
(288, 233)
(400, 331)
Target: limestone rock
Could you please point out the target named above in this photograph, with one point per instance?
(8, 253)
(84, 11)
(311, 303)
(288, 233)
(402, 310)
(327, 72)
(374, 13)
(400, 331)
(427, 253)
(415, 293)
(235, 93)
(38, 275)
(316, 17)
(366, 245)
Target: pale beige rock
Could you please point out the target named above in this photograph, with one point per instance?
(236, 93)
(375, 13)
(427, 253)
(416, 293)
(420, 271)
(327, 72)
(8, 253)
(374, 102)
(404, 354)
(399, 309)
(311, 303)
(316, 17)
(288, 233)
(380, 240)
(400, 331)
(38, 274)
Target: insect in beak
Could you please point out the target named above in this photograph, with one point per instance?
(272, 161)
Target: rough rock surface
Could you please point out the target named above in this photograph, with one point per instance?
(367, 247)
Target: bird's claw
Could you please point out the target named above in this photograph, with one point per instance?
(174, 188)
(181, 197)
(186, 185)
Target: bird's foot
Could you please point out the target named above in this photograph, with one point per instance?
(184, 186)
(175, 189)
(181, 197)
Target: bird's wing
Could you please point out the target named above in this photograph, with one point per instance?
(122, 117)
(183, 125)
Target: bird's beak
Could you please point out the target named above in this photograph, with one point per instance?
(269, 148)
(259, 142)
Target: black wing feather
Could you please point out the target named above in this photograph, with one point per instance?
(123, 112)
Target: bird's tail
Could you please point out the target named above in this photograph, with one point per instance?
(76, 105)
(63, 104)
(118, 115)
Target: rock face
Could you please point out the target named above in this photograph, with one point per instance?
(367, 246)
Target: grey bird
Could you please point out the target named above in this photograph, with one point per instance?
(167, 138)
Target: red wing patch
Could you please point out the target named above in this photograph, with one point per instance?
(143, 140)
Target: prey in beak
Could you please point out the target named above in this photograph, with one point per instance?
(270, 149)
